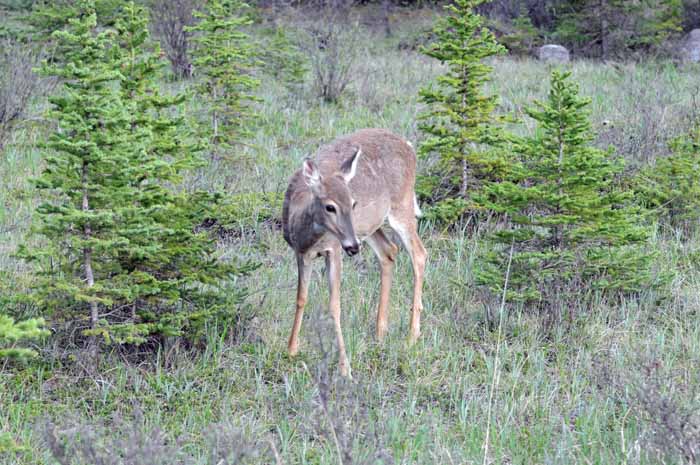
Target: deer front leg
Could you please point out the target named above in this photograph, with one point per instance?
(333, 267)
(302, 294)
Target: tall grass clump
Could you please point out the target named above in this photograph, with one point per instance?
(662, 397)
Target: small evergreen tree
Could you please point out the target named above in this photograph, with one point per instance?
(460, 119)
(169, 152)
(12, 332)
(280, 58)
(570, 227)
(671, 187)
(224, 60)
(87, 152)
(123, 243)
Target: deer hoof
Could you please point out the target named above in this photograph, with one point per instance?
(345, 371)
(293, 350)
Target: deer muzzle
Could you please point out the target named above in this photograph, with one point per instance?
(351, 247)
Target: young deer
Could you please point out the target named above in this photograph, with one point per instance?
(357, 182)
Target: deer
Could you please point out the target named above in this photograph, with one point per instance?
(355, 185)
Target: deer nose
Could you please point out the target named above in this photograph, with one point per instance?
(352, 248)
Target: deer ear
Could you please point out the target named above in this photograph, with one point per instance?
(312, 177)
(349, 166)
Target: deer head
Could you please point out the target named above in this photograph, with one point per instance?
(332, 201)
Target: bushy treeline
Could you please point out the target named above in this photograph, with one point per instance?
(607, 29)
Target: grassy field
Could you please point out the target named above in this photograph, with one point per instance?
(609, 388)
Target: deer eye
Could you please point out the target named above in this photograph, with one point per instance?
(330, 208)
(354, 204)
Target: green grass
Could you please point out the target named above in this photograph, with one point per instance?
(537, 392)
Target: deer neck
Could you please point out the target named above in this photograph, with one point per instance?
(306, 229)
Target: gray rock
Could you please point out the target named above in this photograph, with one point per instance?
(553, 53)
(690, 52)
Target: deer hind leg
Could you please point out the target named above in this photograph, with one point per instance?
(406, 226)
(302, 294)
(333, 268)
(386, 254)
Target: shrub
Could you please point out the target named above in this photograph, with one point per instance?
(665, 402)
(570, 227)
(330, 41)
(171, 18)
(617, 28)
(521, 36)
(671, 187)
(126, 260)
(18, 84)
(133, 443)
(459, 119)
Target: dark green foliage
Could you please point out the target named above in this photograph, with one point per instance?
(459, 122)
(571, 228)
(691, 14)
(662, 21)
(12, 332)
(123, 257)
(520, 36)
(608, 29)
(224, 60)
(618, 28)
(671, 187)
